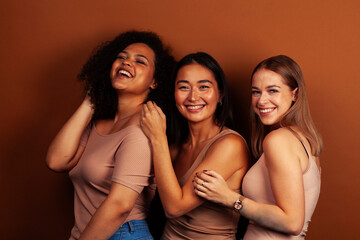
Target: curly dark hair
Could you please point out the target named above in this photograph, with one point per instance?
(96, 72)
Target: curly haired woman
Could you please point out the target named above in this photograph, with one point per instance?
(102, 145)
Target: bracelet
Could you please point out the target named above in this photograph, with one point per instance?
(238, 204)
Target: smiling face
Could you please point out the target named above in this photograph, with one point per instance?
(133, 70)
(196, 93)
(271, 97)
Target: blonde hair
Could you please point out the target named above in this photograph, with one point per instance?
(298, 114)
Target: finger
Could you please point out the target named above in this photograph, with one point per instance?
(206, 177)
(151, 107)
(202, 185)
(199, 175)
(197, 181)
(212, 173)
(146, 108)
(158, 109)
(200, 193)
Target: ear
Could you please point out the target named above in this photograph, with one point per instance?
(294, 94)
(220, 99)
(153, 84)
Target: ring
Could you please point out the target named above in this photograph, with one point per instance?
(202, 184)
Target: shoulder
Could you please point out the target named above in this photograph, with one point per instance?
(230, 143)
(134, 134)
(231, 137)
(279, 136)
(280, 144)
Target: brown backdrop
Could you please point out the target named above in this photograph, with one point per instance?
(43, 45)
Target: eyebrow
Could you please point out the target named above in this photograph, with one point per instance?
(137, 55)
(200, 81)
(270, 86)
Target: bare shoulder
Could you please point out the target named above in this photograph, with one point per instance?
(279, 136)
(281, 146)
(229, 144)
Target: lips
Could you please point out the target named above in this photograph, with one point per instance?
(124, 72)
(194, 108)
(265, 111)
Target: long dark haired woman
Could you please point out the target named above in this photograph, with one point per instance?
(203, 141)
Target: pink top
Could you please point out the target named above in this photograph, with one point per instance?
(207, 221)
(256, 186)
(123, 157)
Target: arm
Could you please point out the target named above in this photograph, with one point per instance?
(111, 214)
(64, 151)
(132, 172)
(286, 181)
(227, 155)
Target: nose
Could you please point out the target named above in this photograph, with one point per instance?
(126, 62)
(263, 99)
(193, 95)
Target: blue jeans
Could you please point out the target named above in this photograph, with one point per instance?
(134, 229)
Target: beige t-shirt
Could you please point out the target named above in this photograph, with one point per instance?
(123, 157)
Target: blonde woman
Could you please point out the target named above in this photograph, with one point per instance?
(281, 190)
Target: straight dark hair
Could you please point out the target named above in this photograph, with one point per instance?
(178, 129)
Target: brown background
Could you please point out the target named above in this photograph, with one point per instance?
(43, 45)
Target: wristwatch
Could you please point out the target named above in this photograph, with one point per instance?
(238, 204)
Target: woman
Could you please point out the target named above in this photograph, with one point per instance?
(282, 188)
(202, 101)
(102, 144)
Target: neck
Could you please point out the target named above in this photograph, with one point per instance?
(128, 105)
(200, 132)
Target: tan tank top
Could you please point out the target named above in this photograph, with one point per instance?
(207, 221)
(256, 186)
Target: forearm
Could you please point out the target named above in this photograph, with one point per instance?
(105, 222)
(170, 191)
(266, 215)
(65, 144)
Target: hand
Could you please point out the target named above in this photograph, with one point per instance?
(87, 102)
(153, 121)
(212, 186)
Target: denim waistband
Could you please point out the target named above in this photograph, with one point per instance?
(133, 225)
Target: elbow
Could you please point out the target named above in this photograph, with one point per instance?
(294, 228)
(172, 213)
(122, 209)
(51, 163)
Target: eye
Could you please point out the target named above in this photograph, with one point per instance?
(121, 57)
(204, 87)
(255, 92)
(273, 91)
(141, 61)
(183, 87)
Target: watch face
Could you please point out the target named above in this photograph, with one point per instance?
(237, 205)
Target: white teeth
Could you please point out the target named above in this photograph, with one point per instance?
(266, 110)
(195, 107)
(126, 73)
